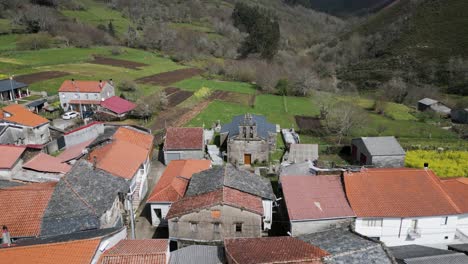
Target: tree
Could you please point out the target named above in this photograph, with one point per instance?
(396, 90)
(342, 118)
(127, 86)
(282, 87)
(110, 29)
(34, 41)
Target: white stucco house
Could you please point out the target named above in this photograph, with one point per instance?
(457, 189)
(172, 186)
(183, 143)
(88, 94)
(402, 206)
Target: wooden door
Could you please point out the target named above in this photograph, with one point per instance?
(247, 159)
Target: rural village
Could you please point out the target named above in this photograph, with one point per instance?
(232, 132)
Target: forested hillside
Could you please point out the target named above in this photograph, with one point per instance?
(343, 7)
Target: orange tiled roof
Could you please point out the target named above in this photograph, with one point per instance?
(82, 86)
(137, 251)
(125, 154)
(184, 138)
(23, 208)
(46, 163)
(10, 154)
(174, 180)
(73, 252)
(397, 193)
(21, 115)
(457, 189)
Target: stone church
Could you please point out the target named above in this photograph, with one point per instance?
(248, 139)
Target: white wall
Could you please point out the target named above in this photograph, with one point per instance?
(394, 231)
(184, 154)
(84, 134)
(267, 213)
(65, 97)
(155, 221)
(109, 242)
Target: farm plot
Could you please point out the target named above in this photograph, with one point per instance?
(231, 97)
(167, 78)
(40, 76)
(118, 63)
(307, 123)
(176, 97)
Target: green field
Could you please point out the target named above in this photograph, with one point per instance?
(195, 83)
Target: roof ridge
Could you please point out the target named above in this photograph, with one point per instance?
(442, 189)
(79, 197)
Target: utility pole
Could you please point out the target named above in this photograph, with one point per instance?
(132, 216)
(11, 86)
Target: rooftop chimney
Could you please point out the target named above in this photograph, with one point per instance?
(6, 236)
(73, 81)
(94, 162)
(426, 165)
(111, 82)
(100, 83)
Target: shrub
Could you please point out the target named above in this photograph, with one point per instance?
(34, 42)
(203, 92)
(127, 86)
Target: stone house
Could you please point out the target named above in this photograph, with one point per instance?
(428, 104)
(23, 127)
(248, 139)
(380, 152)
(171, 187)
(88, 94)
(183, 143)
(315, 203)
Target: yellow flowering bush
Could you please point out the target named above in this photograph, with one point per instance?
(443, 163)
(203, 92)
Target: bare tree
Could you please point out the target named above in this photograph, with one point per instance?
(342, 118)
(396, 89)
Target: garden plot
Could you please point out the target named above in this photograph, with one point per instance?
(118, 63)
(167, 78)
(40, 76)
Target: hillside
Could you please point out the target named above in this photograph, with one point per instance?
(343, 7)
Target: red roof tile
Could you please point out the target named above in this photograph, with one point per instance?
(118, 105)
(23, 208)
(46, 163)
(21, 115)
(184, 138)
(74, 252)
(10, 155)
(225, 196)
(397, 193)
(175, 178)
(315, 197)
(457, 189)
(74, 151)
(137, 251)
(272, 250)
(82, 86)
(125, 154)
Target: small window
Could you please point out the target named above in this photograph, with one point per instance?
(373, 222)
(158, 213)
(194, 226)
(216, 227)
(444, 221)
(446, 237)
(238, 227)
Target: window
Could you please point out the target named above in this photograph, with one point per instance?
(216, 227)
(414, 224)
(194, 226)
(238, 227)
(377, 222)
(444, 220)
(158, 213)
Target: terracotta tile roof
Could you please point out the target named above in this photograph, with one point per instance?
(175, 178)
(457, 189)
(118, 105)
(10, 154)
(272, 250)
(183, 138)
(74, 151)
(82, 86)
(315, 197)
(23, 208)
(21, 115)
(397, 193)
(73, 252)
(86, 102)
(125, 154)
(225, 196)
(137, 251)
(46, 163)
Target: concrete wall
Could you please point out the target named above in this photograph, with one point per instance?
(180, 229)
(84, 134)
(307, 227)
(183, 154)
(258, 149)
(164, 207)
(394, 231)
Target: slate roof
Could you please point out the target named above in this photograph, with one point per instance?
(416, 254)
(457, 189)
(459, 247)
(46, 163)
(5, 85)
(80, 199)
(22, 208)
(10, 155)
(109, 132)
(303, 152)
(383, 146)
(272, 250)
(228, 176)
(73, 252)
(397, 193)
(347, 247)
(21, 115)
(118, 105)
(184, 138)
(427, 101)
(302, 168)
(137, 251)
(36, 103)
(7, 184)
(223, 196)
(263, 127)
(175, 179)
(198, 254)
(315, 197)
(82, 86)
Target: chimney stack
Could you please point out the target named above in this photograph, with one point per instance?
(111, 82)
(94, 162)
(426, 165)
(6, 236)
(73, 81)
(100, 83)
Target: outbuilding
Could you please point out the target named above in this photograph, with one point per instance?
(380, 152)
(184, 143)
